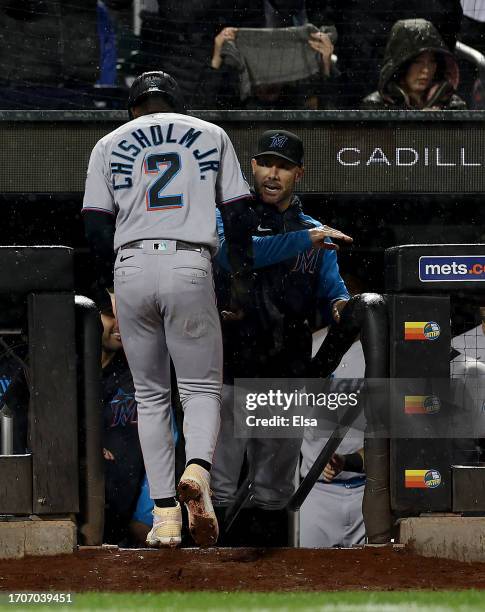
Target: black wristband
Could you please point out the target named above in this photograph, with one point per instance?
(353, 463)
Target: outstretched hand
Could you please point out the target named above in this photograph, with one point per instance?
(318, 235)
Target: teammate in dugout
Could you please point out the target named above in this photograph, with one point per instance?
(296, 274)
(160, 177)
(123, 461)
(331, 516)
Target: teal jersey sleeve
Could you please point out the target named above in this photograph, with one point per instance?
(267, 250)
(331, 286)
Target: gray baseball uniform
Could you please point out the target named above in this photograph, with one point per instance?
(162, 176)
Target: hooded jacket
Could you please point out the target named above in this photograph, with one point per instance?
(408, 39)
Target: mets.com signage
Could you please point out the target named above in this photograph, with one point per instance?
(442, 268)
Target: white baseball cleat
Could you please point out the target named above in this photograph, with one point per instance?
(194, 491)
(167, 527)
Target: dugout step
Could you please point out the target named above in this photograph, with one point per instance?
(35, 536)
(447, 537)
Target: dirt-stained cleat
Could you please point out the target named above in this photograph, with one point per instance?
(167, 527)
(194, 491)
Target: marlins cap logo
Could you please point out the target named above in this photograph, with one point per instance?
(278, 141)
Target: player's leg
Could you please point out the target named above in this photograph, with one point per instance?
(124, 471)
(275, 461)
(227, 466)
(194, 341)
(142, 333)
(354, 529)
(229, 453)
(142, 518)
(332, 516)
(322, 520)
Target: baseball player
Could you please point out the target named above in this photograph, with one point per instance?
(160, 177)
(297, 276)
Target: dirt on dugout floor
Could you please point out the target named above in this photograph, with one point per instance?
(233, 569)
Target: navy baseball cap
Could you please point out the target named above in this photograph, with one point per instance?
(282, 144)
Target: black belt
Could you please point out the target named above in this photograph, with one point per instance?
(180, 245)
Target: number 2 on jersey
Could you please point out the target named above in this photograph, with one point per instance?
(167, 166)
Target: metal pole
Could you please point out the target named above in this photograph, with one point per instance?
(136, 17)
(6, 426)
(472, 55)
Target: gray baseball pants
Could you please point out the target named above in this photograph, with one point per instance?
(166, 309)
(331, 516)
(274, 461)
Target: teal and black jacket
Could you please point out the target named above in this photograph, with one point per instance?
(294, 286)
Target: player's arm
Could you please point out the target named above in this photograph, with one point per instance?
(99, 229)
(237, 219)
(99, 217)
(331, 287)
(267, 250)
(234, 202)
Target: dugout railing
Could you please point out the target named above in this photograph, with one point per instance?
(423, 399)
(435, 450)
(59, 471)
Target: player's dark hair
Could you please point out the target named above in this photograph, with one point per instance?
(154, 103)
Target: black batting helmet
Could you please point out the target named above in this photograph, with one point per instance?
(156, 82)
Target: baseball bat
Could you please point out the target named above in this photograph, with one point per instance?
(243, 495)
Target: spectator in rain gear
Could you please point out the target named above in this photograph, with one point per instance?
(419, 71)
